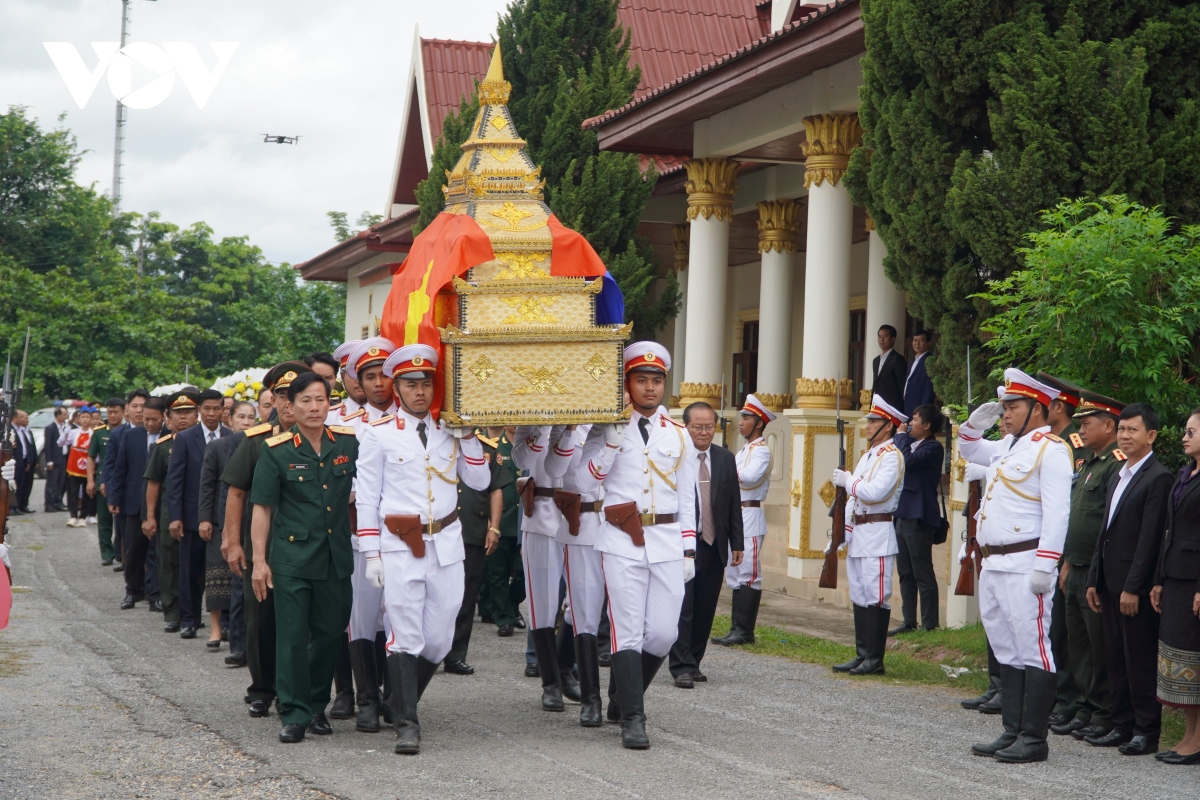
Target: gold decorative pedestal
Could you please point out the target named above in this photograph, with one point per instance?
(699, 393)
(822, 393)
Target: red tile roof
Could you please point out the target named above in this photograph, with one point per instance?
(451, 69)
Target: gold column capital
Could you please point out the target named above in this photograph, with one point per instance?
(700, 392)
(830, 140)
(774, 402)
(710, 186)
(823, 393)
(778, 226)
(682, 240)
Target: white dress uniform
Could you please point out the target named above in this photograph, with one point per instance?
(397, 474)
(339, 413)
(541, 553)
(367, 615)
(1027, 501)
(581, 561)
(754, 479)
(871, 555)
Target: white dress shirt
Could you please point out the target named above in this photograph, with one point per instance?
(911, 368)
(1124, 476)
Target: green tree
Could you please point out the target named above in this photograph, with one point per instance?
(1109, 296)
(341, 227)
(978, 116)
(455, 130)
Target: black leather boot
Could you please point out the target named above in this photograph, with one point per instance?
(381, 669)
(425, 672)
(402, 668)
(876, 641)
(1040, 689)
(614, 701)
(650, 666)
(1012, 693)
(565, 642)
(343, 682)
(591, 714)
(989, 701)
(546, 650)
(860, 641)
(627, 666)
(736, 599)
(366, 685)
(745, 618)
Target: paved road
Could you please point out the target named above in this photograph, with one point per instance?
(105, 705)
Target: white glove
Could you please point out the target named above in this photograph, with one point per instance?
(689, 569)
(9, 471)
(829, 544)
(976, 472)
(614, 433)
(985, 416)
(4, 556)
(841, 478)
(375, 571)
(461, 431)
(962, 553)
(1041, 582)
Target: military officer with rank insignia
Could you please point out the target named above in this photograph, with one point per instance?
(872, 497)
(1022, 525)
(1098, 460)
(408, 529)
(355, 398)
(647, 541)
(301, 497)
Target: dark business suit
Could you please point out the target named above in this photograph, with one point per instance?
(890, 383)
(124, 471)
(918, 390)
(917, 519)
(700, 594)
(56, 468)
(25, 457)
(183, 505)
(212, 509)
(1125, 560)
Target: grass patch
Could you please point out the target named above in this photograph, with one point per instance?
(34, 546)
(13, 660)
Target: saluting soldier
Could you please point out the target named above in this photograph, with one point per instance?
(873, 495)
(1098, 459)
(239, 475)
(648, 538)
(1021, 529)
(301, 497)
(408, 529)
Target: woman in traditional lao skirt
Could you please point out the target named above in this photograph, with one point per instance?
(1176, 595)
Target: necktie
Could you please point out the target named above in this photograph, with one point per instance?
(421, 434)
(707, 526)
(212, 435)
(644, 429)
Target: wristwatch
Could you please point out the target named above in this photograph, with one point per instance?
(494, 530)
(689, 553)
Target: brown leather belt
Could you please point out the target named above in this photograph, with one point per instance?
(657, 519)
(752, 504)
(438, 525)
(542, 491)
(1007, 549)
(596, 506)
(860, 519)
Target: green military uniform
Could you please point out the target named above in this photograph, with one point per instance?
(311, 561)
(260, 616)
(166, 546)
(504, 576)
(97, 447)
(474, 509)
(1068, 697)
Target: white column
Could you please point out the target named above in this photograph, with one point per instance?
(778, 233)
(681, 275)
(885, 303)
(710, 187)
(830, 138)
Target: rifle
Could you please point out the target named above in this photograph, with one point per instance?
(10, 400)
(969, 569)
(837, 535)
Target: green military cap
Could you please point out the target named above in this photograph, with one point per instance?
(183, 400)
(1068, 392)
(275, 374)
(1098, 404)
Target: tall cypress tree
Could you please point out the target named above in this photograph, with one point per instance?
(979, 115)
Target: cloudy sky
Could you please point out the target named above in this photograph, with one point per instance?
(332, 72)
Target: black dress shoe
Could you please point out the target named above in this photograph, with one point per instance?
(235, 660)
(699, 677)
(107, 562)
(992, 706)
(604, 660)
(156, 605)
(1139, 746)
(1094, 729)
(1161, 754)
(187, 633)
(684, 681)
(1070, 726)
(1058, 719)
(1175, 758)
(260, 708)
(532, 671)
(902, 629)
(1114, 738)
(128, 602)
(504, 630)
(292, 733)
(320, 725)
(119, 568)
(173, 627)
(520, 623)
(458, 667)
(213, 644)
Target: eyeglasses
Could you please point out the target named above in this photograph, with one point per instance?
(702, 428)
(1189, 433)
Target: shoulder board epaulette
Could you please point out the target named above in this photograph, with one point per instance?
(338, 407)
(1119, 456)
(345, 430)
(383, 419)
(361, 412)
(102, 428)
(258, 429)
(673, 422)
(1054, 438)
(1076, 441)
(166, 438)
(492, 443)
(279, 438)
(887, 448)
(758, 443)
